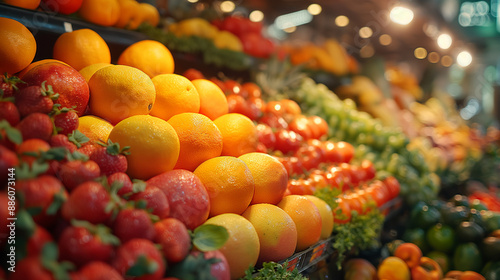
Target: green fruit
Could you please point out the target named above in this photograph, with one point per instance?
(424, 216)
(453, 216)
(467, 257)
(491, 248)
(469, 232)
(491, 220)
(441, 258)
(417, 237)
(491, 271)
(460, 200)
(441, 238)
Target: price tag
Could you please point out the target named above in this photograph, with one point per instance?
(68, 27)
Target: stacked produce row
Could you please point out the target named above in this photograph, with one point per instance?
(129, 171)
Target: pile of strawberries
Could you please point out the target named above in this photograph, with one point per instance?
(79, 215)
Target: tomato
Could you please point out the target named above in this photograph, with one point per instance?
(355, 173)
(266, 135)
(233, 87)
(237, 104)
(291, 107)
(332, 154)
(354, 202)
(346, 150)
(318, 181)
(300, 125)
(310, 156)
(219, 83)
(64, 7)
(318, 125)
(334, 180)
(255, 106)
(256, 45)
(193, 74)
(287, 164)
(296, 165)
(342, 214)
(287, 141)
(235, 24)
(252, 88)
(392, 186)
(378, 192)
(275, 108)
(274, 121)
(300, 187)
(344, 175)
(369, 170)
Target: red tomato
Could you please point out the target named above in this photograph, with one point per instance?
(193, 74)
(299, 186)
(237, 104)
(233, 87)
(275, 108)
(253, 89)
(287, 164)
(297, 167)
(300, 125)
(291, 107)
(235, 24)
(344, 175)
(310, 156)
(287, 141)
(342, 214)
(378, 192)
(393, 186)
(332, 154)
(255, 105)
(346, 150)
(274, 121)
(266, 135)
(368, 169)
(354, 202)
(318, 181)
(334, 180)
(64, 7)
(219, 83)
(318, 125)
(256, 45)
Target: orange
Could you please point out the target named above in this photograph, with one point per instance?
(154, 145)
(269, 175)
(100, 12)
(36, 63)
(17, 47)
(239, 135)
(88, 71)
(128, 9)
(242, 248)
(175, 94)
(118, 92)
(326, 214)
(27, 4)
(199, 137)
(95, 128)
(213, 102)
(150, 56)
(81, 48)
(306, 217)
(149, 14)
(229, 184)
(276, 229)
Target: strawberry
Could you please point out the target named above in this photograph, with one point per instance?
(8, 84)
(36, 125)
(89, 201)
(65, 120)
(9, 112)
(41, 267)
(174, 238)
(84, 242)
(31, 149)
(75, 172)
(139, 259)
(8, 159)
(35, 99)
(133, 223)
(5, 213)
(155, 200)
(9, 136)
(45, 192)
(37, 240)
(99, 271)
(87, 149)
(110, 158)
(125, 184)
(61, 140)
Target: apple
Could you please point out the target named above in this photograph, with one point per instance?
(71, 86)
(359, 269)
(410, 253)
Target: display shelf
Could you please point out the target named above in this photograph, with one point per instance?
(47, 26)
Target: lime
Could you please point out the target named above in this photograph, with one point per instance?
(441, 238)
(467, 257)
(441, 258)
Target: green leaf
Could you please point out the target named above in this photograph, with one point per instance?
(209, 237)
(193, 267)
(76, 155)
(14, 135)
(55, 153)
(78, 138)
(141, 267)
(273, 271)
(138, 186)
(57, 202)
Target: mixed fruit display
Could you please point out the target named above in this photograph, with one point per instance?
(126, 170)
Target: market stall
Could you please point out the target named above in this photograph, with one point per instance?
(223, 140)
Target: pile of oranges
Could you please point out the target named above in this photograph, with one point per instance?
(127, 14)
(172, 123)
